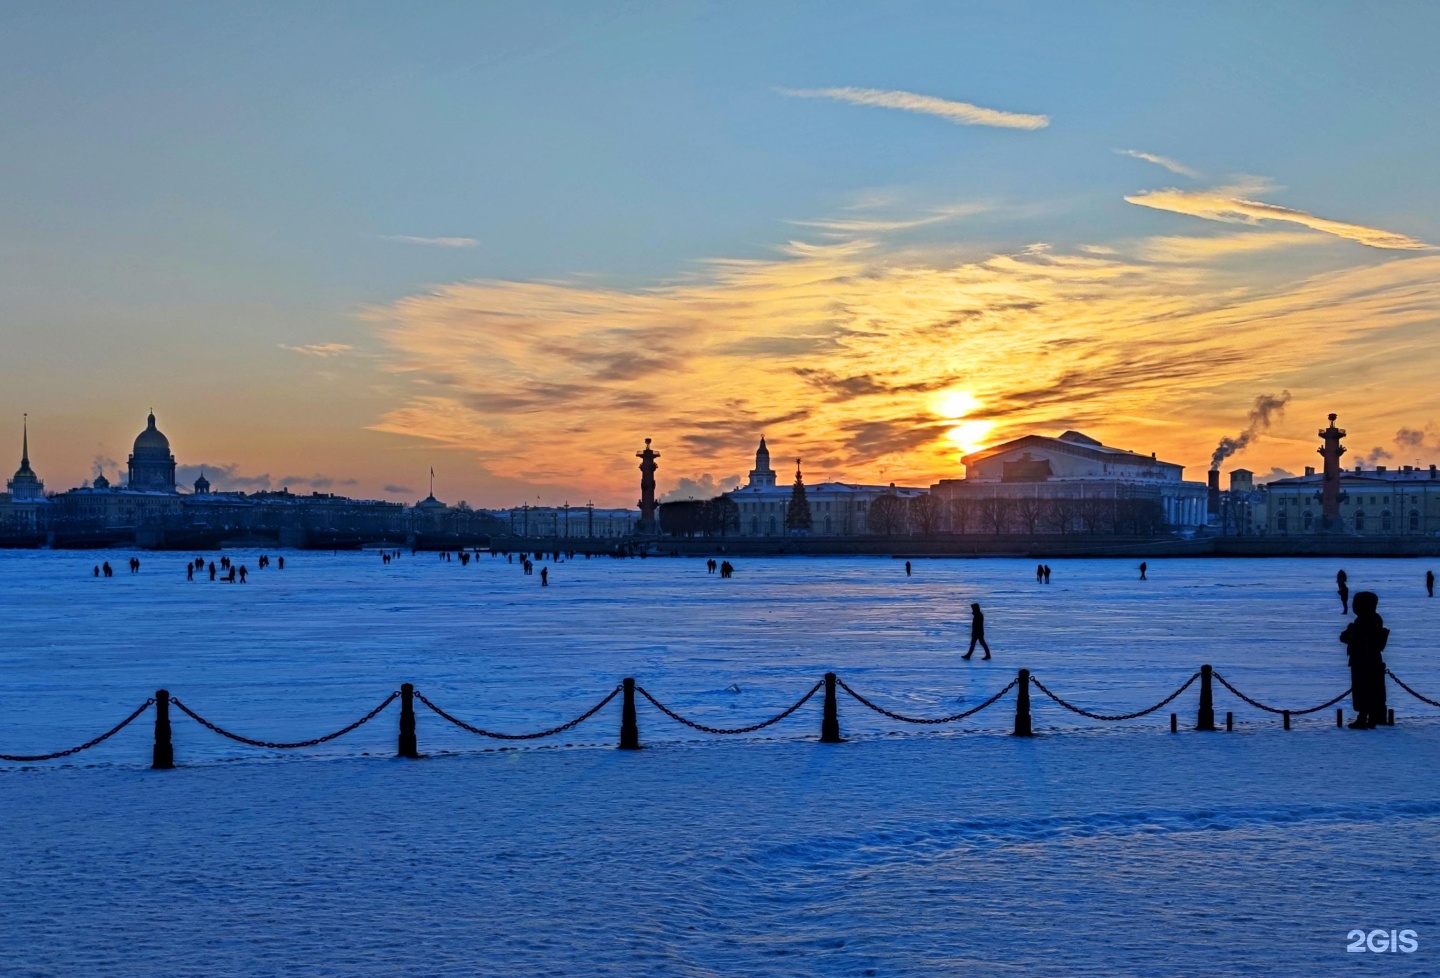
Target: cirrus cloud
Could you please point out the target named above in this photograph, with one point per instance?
(960, 113)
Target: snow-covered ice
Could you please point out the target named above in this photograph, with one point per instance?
(1092, 849)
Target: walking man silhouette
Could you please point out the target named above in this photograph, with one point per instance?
(1344, 589)
(907, 568)
(1430, 583)
(1039, 573)
(1142, 571)
(1046, 572)
(977, 631)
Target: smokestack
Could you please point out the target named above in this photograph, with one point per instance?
(1213, 498)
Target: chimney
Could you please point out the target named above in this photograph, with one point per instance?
(1212, 499)
(1309, 470)
(1379, 469)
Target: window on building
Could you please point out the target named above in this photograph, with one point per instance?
(772, 524)
(1309, 521)
(1359, 519)
(1385, 521)
(755, 525)
(1282, 523)
(1414, 521)
(827, 526)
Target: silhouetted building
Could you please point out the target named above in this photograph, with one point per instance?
(152, 467)
(1069, 483)
(23, 505)
(1377, 502)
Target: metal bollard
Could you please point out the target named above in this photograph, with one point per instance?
(1340, 717)
(1229, 721)
(1022, 705)
(163, 757)
(1390, 717)
(1174, 723)
(407, 746)
(830, 719)
(1206, 718)
(1286, 714)
(629, 730)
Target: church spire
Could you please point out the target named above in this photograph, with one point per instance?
(25, 442)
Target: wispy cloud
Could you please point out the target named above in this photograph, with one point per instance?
(434, 242)
(960, 113)
(1227, 204)
(880, 225)
(1186, 249)
(1174, 166)
(319, 349)
(837, 352)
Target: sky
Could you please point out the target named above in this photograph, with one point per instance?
(335, 245)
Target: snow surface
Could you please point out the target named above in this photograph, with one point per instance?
(1093, 849)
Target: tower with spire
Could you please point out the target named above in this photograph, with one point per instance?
(26, 485)
(762, 476)
(797, 513)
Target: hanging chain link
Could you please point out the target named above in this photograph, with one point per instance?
(530, 736)
(729, 730)
(1271, 709)
(1119, 716)
(1402, 684)
(272, 745)
(88, 744)
(926, 720)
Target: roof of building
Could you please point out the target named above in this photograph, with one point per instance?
(1070, 441)
(151, 444)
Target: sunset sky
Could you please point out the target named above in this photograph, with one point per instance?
(334, 245)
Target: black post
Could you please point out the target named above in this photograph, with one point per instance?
(1022, 705)
(830, 719)
(629, 730)
(1206, 718)
(163, 758)
(1174, 723)
(408, 747)
(1229, 721)
(1340, 717)
(1390, 717)
(1287, 719)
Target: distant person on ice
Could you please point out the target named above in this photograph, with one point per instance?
(977, 631)
(1365, 640)
(1430, 583)
(544, 577)
(907, 568)
(1142, 571)
(1344, 589)
(1039, 573)
(1046, 571)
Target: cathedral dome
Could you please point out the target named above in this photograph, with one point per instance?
(151, 443)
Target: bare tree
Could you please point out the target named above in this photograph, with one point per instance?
(1096, 514)
(1029, 510)
(928, 512)
(962, 514)
(887, 516)
(1061, 514)
(995, 514)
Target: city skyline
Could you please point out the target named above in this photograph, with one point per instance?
(336, 256)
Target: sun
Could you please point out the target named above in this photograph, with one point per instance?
(970, 436)
(955, 403)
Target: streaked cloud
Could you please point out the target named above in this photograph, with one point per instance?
(319, 349)
(879, 225)
(1186, 249)
(840, 353)
(1174, 166)
(433, 242)
(960, 113)
(1227, 204)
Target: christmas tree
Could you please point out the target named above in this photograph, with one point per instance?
(797, 514)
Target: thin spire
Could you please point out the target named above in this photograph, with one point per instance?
(432, 482)
(25, 442)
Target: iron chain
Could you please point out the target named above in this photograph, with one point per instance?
(272, 745)
(1119, 716)
(1271, 709)
(729, 730)
(85, 746)
(530, 736)
(927, 720)
(1401, 682)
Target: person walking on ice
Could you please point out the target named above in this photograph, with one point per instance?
(1142, 571)
(1343, 588)
(1430, 583)
(977, 631)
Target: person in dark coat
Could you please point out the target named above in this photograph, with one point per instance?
(1039, 573)
(907, 568)
(1046, 571)
(977, 632)
(1365, 640)
(1142, 571)
(1344, 589)
(1430, 583)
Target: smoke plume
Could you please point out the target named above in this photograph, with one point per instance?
(1268, 407)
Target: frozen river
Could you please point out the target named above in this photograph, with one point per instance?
(1090, 850)
(300, 652)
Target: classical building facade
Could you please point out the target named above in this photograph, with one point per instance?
(152, 467)
(837, 509)
(1070, 483)
(1381, 501)
(23, 503)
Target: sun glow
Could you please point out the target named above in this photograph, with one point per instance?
(955, 404)
(970, 435)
